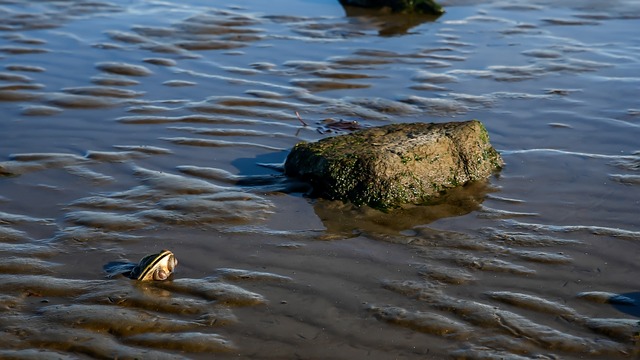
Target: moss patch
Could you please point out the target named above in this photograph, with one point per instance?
(395, 164)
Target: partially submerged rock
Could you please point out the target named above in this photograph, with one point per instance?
(399, 6)
(397, 164)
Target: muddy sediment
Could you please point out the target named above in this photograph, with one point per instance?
(168, 128)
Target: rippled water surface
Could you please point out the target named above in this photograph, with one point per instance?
(132, 126)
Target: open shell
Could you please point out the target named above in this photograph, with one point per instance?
(155, 267)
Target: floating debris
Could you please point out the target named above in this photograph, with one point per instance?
(328, 126)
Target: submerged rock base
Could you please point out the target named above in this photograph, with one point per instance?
(397, 164)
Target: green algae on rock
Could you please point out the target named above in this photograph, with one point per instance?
(386, 167)
(399, 6)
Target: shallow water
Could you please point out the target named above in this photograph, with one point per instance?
(133, 126)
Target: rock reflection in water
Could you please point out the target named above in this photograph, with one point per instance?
(346, 219)
(386, 23)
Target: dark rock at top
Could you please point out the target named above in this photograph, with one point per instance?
(399, 6)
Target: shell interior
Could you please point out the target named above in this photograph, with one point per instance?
(157, 267)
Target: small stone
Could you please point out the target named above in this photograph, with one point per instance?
(388, 166)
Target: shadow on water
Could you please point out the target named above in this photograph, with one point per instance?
(265, 173)
(256, 165)
(387, 24)
(627, 307)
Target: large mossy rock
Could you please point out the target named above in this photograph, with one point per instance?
(388, 166)
(399, 6)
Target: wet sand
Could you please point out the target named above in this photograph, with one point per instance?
(129, 127)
